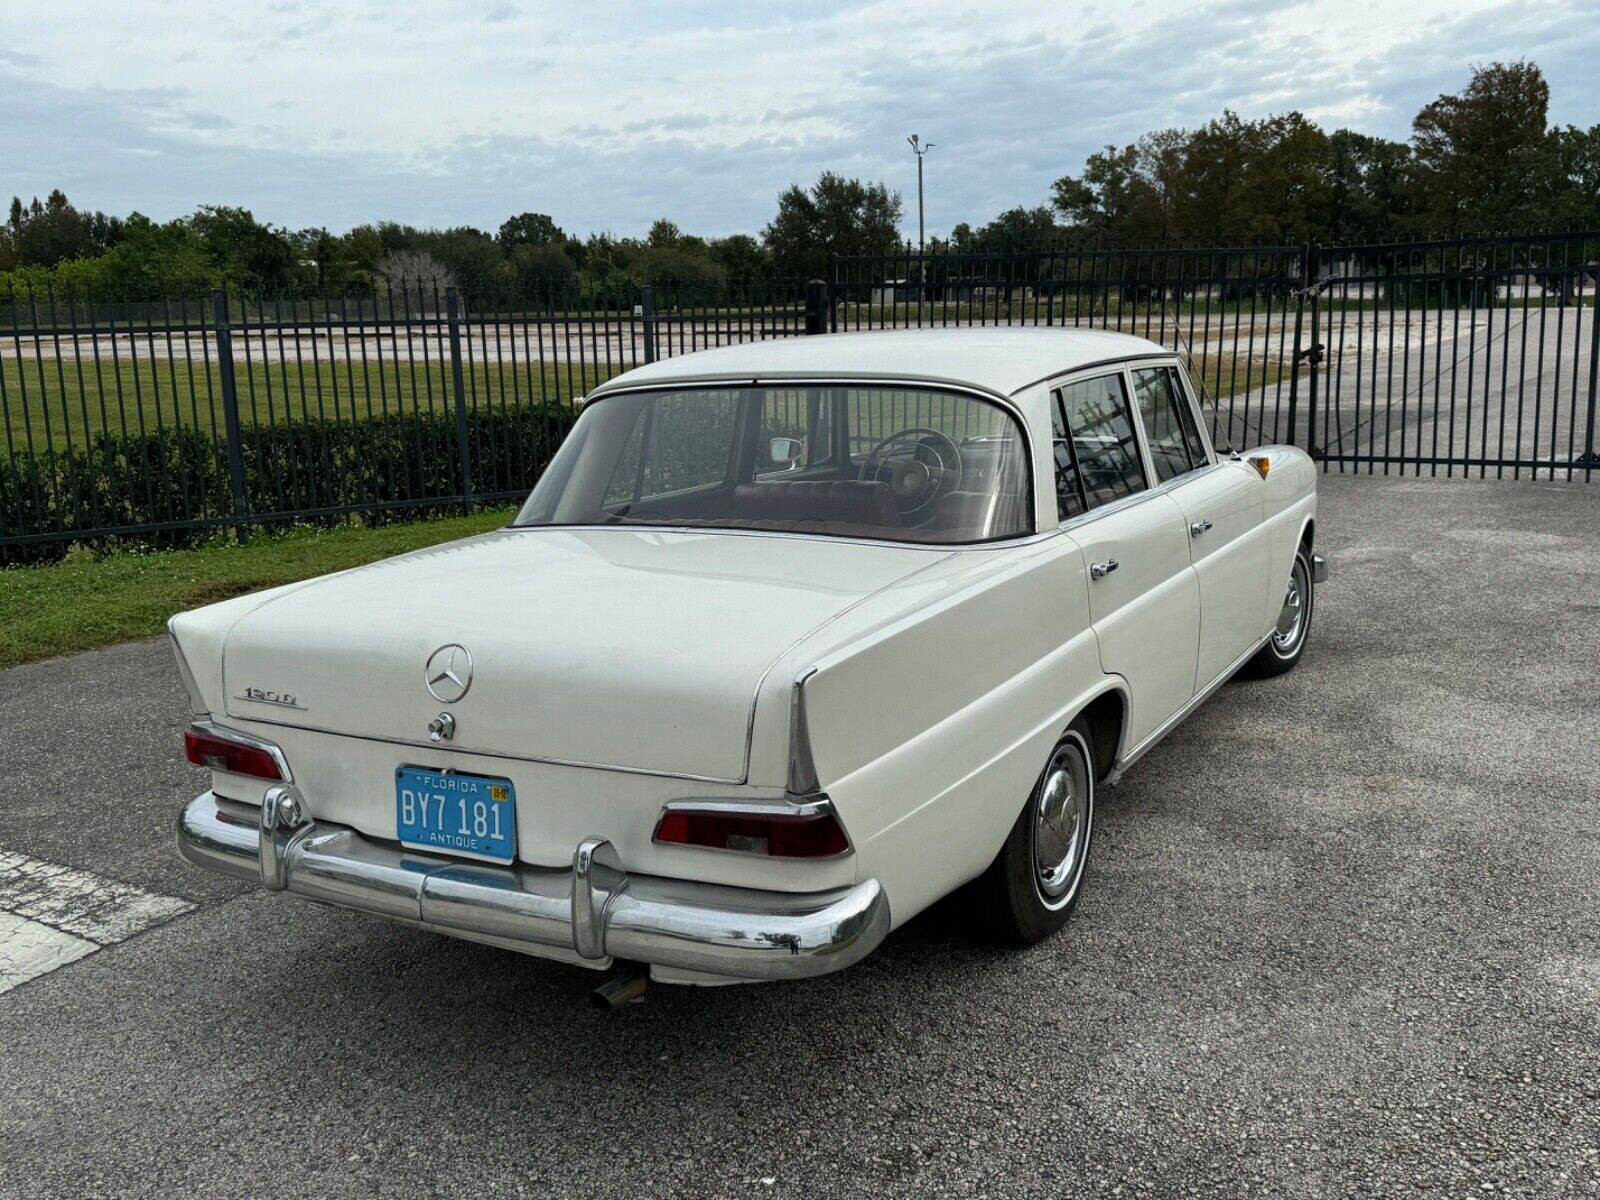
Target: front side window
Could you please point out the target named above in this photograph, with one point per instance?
(1103, 452)
(1174, 443)
(896, 464)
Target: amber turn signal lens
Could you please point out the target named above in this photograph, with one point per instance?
(1261, 463)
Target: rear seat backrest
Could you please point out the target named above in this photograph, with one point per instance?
(847, 501)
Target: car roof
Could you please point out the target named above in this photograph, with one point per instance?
(1002, 360)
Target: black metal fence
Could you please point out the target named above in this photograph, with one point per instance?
(162, 422)
(1472, 355)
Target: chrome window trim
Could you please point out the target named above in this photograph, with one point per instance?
(1089, 370)
(1134, 404)
(1085, 375)
(1197, 411)
(1004, 402)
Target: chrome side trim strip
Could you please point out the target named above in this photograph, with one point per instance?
(191, 686)
(590, 914)
(1195, 701)
(802, 769)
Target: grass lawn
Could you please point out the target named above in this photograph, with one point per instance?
(84, 602)
(55, 406)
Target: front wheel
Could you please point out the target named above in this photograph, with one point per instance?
(1032, 887)
(1288, 637)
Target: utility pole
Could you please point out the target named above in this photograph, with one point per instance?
(919, 149)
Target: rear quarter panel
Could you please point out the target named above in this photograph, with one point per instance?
(929, 727)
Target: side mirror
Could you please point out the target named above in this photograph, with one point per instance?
(785, 451)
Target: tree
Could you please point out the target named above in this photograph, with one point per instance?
(1564, 172)
(837, 216)
(1367, 197)
(1014, 231)
(44, 234)
(243, 250)
(663, 234)
(529, 229)
(416, 272)
(1118, 196)
(1473, 150)
(541, 269)
(473, 258)
(740, 256)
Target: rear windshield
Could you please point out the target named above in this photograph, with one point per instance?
(888, 463)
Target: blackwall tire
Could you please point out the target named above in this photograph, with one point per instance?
(1288, 640)
(1034, 883)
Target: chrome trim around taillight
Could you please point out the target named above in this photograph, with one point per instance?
(815, 805)
(239, 737)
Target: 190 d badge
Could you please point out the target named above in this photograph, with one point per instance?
(267, 696)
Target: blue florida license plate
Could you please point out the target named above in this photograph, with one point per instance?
(471, 815)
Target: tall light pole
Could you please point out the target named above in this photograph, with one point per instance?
(919, 149)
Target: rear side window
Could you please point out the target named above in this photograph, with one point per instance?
(1097, 454)
(1168, 425)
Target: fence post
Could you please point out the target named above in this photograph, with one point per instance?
(816, 307)
(1314, 356)
(1294, 359)
(452, 306)
(647, 311)
(1589, 460)
(230, 414)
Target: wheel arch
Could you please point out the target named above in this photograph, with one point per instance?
(1106, 712)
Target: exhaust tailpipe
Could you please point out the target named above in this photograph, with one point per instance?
(626, 988)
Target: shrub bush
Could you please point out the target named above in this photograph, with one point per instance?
(291, 468)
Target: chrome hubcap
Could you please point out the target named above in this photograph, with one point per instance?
(1292, 617)
(1061, 825)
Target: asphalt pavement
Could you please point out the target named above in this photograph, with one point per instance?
(1341, 937)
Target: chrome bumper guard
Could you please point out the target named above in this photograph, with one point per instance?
(591, 914)
(1319, 569)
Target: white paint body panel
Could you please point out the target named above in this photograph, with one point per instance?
(615, 670)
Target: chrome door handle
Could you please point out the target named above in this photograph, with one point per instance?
(1101, 570)
(1198, 528)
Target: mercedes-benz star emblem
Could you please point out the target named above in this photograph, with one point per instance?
(448, 673)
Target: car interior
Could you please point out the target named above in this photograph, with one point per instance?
(862, 461)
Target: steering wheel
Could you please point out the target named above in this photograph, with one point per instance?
(919, 464)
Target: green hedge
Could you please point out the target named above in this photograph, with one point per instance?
(290, 467)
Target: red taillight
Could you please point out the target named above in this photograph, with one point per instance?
(777, 835)
(207, 749)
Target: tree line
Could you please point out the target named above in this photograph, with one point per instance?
(1482, 159)
(52, 245)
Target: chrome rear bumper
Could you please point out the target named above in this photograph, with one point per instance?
(590, 914)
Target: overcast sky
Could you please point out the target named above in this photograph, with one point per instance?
(607, 115)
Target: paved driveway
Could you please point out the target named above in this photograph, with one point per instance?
(1341, 937)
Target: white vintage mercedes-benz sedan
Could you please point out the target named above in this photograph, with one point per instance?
(790, 640)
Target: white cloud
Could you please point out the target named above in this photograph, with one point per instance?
(613, 113)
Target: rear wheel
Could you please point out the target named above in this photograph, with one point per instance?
(1288, 638)
(1032, 887)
